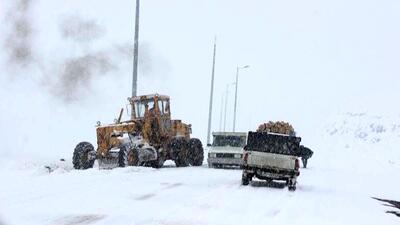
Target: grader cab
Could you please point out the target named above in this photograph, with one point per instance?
(148, 138)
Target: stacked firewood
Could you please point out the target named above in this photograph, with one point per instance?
(279, 127)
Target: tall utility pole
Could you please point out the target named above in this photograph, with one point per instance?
(236, 89)
(222, 111)
(135, 52)
(211, 94)
(226, 104)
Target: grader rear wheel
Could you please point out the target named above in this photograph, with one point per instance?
(133, 157)
(179, 149)
(84, 156)
(159, 162)
(128, 157)
(182, 159)
(196, 152)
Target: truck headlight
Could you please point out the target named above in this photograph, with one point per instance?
(212, 155)
(238, 156)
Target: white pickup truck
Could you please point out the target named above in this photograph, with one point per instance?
(271, 156)
(226, 149)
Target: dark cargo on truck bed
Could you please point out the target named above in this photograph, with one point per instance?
(273, 143)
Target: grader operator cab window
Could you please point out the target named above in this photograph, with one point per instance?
(140, 107)
(164, 107)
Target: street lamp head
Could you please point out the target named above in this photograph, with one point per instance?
(243, 67)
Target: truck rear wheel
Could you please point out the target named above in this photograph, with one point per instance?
(196, 152)
(292, 184)
(84, 156)
(245, 179)
(292, 188)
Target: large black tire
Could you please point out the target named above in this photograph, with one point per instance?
(179, 149)
(182, 159)
(123, 156)
(245, 180)
(196, 152)
(133, 157)
(128, 157)
(84, 156)
(159, 162)
(291, 185)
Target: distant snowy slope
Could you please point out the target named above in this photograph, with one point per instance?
(366, 128)
(360, 141)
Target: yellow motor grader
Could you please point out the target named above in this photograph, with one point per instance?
(148, 139)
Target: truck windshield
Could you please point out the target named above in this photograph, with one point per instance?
(234, 141)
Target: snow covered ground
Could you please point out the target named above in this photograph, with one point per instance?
(343, 175)
(67, 64)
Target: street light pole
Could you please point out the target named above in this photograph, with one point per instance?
(222, 110)
(135, 52)
(226, 104)
(211, 94)
(236, 89)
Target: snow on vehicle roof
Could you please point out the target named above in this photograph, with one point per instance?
(149, 96)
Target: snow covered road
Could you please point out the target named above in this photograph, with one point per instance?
(138, 195)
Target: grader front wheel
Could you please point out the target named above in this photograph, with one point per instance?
(84, 156)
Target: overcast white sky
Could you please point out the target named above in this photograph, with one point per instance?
(308, 59)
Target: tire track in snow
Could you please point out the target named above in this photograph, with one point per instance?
(151, 195)
(79, 219)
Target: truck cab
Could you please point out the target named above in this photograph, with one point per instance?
(226, 149)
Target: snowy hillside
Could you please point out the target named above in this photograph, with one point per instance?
(361, 139)
(364, 128)
(348, 168)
